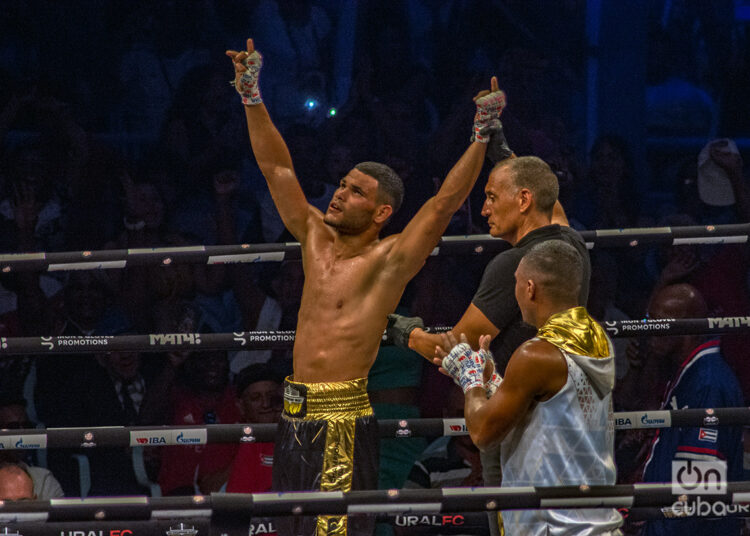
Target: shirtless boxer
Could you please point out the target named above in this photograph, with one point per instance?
(328, 438)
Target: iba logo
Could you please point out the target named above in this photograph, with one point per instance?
(160, 440)
(192, 436)
(454, 427)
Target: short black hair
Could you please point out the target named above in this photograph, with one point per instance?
(390, 185)
(557, 267)
(257, 372)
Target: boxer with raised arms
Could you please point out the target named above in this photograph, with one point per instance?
(328, 437)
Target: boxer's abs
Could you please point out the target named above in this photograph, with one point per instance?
(335, 347)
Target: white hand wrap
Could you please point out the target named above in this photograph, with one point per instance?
(487, 117)
(247, 85)
(491, 386)
(494, 382)
(465, 366)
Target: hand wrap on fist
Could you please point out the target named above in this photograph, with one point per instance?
(247, 83)
(487, 117)
(491, 385)
(465, 366)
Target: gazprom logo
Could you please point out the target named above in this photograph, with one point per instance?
(190, 437)
(36, 441)
(653, 421)
(642, 419)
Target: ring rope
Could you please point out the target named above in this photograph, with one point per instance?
(161, 436)
(638, 496)
(238, 507)
(264, 340)
(448, 245)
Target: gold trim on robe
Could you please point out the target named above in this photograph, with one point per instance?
(575, 332)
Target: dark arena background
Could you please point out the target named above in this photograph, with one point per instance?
(144, 267)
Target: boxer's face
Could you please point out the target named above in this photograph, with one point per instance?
(355, 203)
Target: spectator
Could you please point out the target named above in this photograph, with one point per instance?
(715, 191)
(299, 35)
(719, 195)
(194, 388)
(601, 304)
(698, 378)
(143, 290)
(13, 417)
(604, 201)
(261, 401)
(675, 104)
(86, 310)
(162, 42)
(107, 390)
(30, 209)
(15, 483)
(282, 286)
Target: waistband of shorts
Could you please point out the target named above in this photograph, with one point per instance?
(327, 400)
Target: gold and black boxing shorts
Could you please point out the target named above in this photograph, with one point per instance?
(327, 440)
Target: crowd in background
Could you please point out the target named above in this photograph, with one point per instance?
(126, 134)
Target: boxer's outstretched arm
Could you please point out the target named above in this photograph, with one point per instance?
(421, 235)
(413, 245)
(270, 151)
